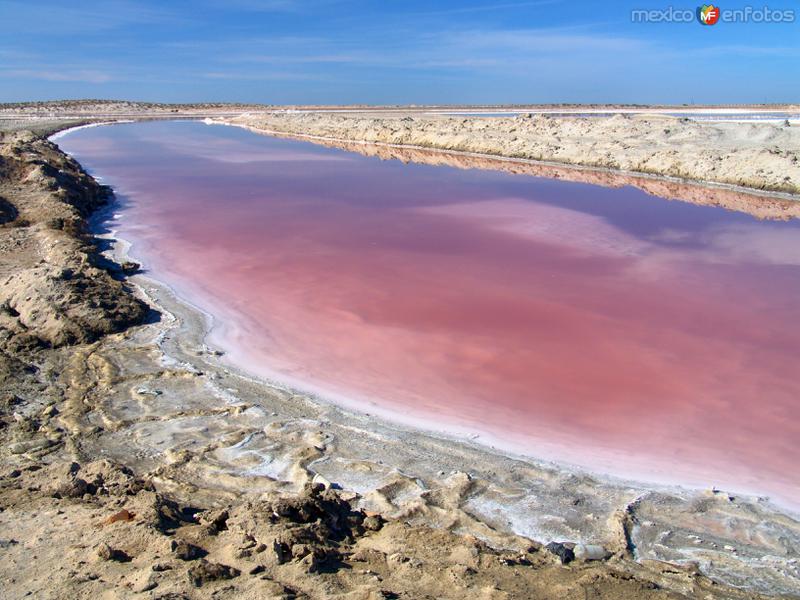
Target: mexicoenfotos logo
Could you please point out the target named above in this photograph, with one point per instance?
(709, 14)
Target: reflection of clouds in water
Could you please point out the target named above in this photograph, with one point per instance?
(733, 244)
(106, 147)
(198, 146)
(547, 224)
(233, 151)
(754, 244)
(587, 234)
(673, 236)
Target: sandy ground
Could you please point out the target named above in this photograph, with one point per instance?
(136, 462)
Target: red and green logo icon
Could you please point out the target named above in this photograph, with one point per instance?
(708, 14)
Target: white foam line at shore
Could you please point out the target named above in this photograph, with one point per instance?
(68, 130)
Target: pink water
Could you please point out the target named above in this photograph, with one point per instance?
(602, 327)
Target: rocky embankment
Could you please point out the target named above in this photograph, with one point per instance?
(54, 290)
(80, 382)
(97, 530)
(749, 155)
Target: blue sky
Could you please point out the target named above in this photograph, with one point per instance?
(390, 52)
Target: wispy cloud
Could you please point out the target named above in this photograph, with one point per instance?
(268, 6)
(456, 49)
(68, 18)
(80, 75)
(753, 51)
(257, 5)
(352, 58)
(483, 8)
(548, 41)
(256, 76)
(16, 55)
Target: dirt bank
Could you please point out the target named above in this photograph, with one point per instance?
(754, 156)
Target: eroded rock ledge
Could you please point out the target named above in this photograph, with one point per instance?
(52, 291)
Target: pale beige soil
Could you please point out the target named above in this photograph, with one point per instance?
(173, 447)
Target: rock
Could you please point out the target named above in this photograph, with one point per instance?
(72, 488)
(313, 561)
(186, 551)
(123, 515)
(318, 505)
(106, 552)
(167, 514)
(129, 267)
(373, 523)
(591, 552)
(215, 520)
(30, 446)
(82, 308)
(143, 391)
(320, 480)
(301, 550)
(49, 411)
(282, 552)
(562, 551)
(8, 212)
(205, 572)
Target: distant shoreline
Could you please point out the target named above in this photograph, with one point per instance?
(757, 156)
(762, 204)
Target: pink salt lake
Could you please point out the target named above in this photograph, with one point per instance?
(624, 333)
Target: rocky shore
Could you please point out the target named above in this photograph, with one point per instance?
(134, 463)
